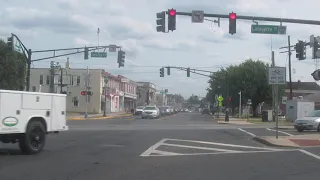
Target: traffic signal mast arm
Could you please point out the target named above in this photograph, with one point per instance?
(286, 20)
(91, 48)
(191, 70)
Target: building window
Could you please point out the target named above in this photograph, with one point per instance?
(34, 89)
(75, 102)
(48, 80)
(41, 79)
(78, 80)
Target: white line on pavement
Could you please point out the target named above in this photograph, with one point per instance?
(251, 134)
(197, 147)
(166, 153)
(310, 154)
(223, 144)
(152, 148)
(279, 131)
(214, 153)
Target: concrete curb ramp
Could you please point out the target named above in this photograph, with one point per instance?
(288, 141)
(99, 117)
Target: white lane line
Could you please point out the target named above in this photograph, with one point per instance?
(279, 131)
(197, 147)
(152, 148)
(223, 144)
(309, 154)
(251, 134)
(242, 152)
(166, 153)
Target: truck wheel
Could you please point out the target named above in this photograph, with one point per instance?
(33, 141)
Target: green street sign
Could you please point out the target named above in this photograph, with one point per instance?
(98, 54)
(220, 99)
(268, 29)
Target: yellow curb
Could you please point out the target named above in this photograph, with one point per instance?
(99, 117)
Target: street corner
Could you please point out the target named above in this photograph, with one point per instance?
(297, 141)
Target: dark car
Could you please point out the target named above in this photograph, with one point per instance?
(205, 111)
(163, 111)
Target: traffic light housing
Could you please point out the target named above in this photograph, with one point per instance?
(315, 48)
(161, 72)
(168, 70)
(188, 72)
(84, 93)
(232, 23)
(121, 57)
(10, 42)
(86, 53)
(300, 50)
(161, 21)
(172, 14)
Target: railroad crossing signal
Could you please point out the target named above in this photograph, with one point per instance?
(121, 57)
(161, 21)
(300, 50)
(162, 72)
(232, 23)
(172, 14)
(168, 70)
(188, 72)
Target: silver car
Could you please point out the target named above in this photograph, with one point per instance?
(310, 122)
(150, 112)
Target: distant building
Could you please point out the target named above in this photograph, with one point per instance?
(120, 92)
(161, 99)
(146, 92)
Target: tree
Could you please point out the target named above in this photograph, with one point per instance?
(193, 100)
(249, 77)
(12, 68)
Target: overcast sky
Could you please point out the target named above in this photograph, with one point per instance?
(51, 24)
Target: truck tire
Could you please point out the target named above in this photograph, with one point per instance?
(33, 141)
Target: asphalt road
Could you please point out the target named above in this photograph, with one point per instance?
(185, 146)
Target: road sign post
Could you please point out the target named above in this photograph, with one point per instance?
(219, 99)
(268, 29)
(276, 77)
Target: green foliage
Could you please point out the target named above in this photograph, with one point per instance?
(249, 77)
(193, 100)
(12, 68)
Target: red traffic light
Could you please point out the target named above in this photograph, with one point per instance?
(232, 16)
(83, 93)
(172, 12)
(229, 99)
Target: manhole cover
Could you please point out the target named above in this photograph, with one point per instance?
(306, 142)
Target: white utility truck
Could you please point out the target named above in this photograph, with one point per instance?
(27, 117)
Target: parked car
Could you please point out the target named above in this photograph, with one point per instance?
(139, 110)
(205, 111)
(150, 112)
(310, 122)
(163, 111)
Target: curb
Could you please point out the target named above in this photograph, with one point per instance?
(265, 142)
(98, 117)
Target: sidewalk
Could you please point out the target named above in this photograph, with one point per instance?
(309, 140)
(80, 116)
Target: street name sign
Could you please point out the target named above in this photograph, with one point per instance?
(268, 29)
(277, 75)
(197, 16)
(99, 54)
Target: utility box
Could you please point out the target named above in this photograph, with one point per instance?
(298, 108)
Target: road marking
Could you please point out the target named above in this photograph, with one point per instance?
(310, 154)
(197, 147)
(279, 131)
(152, 148)
(222, 153)
(228, 145)
(165, 153)
(251, 134)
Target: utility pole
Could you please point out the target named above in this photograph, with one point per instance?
(240, 95)
(52, 73)
(275, 99)
(290, 76)
(61, 79)
(105, 101)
